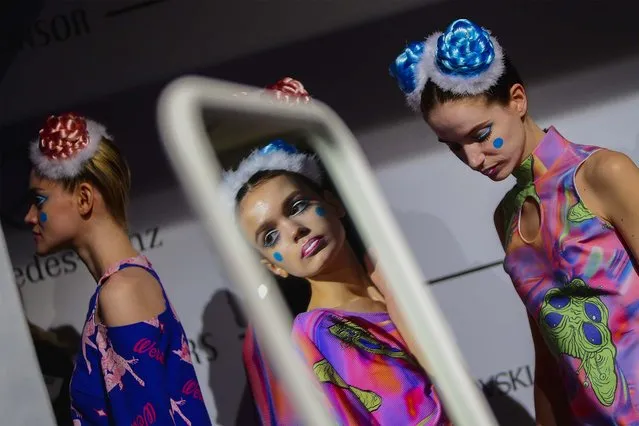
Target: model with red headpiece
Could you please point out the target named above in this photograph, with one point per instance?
(134, 362)
(346, 334)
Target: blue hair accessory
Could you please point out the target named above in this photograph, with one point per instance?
(278, 145)
(465, 59)
(276, 155)
(404, 69)
(464, 49)
(409, 72)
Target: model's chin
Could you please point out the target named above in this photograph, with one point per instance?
(320, 263)
(43, 249)
(499, 177)
(502, 174)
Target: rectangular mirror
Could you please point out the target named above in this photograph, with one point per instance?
(206, 127)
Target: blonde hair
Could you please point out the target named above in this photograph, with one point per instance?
(107, 170)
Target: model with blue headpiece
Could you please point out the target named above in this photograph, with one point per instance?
(346, 334)
(569, 226)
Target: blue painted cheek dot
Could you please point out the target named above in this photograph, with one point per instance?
(320, 211)
(498, 143)
(43, 217)
(278, 256)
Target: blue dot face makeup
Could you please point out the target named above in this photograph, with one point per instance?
(278, 256)
(39, 202)
(320, 211)
(498, 143)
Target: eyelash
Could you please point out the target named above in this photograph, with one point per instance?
(482, 137)
(485, 133)
(39, 200)
(294, 211)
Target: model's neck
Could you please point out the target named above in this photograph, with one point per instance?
(533, 134)
(103, 245)
(346, 281)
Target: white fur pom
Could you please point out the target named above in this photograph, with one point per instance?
(303, 164)
(64, 168)
(464, 85)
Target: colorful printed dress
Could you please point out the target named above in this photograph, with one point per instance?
(579, 284)
(138, 374)
(363, 366)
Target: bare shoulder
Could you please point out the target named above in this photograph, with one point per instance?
(130, 296)
(605, 168)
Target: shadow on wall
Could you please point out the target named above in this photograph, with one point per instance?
(55, 350)
(508, 411)
(224, 339)
(223, 325)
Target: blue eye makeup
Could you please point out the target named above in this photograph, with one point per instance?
(484, 133)
(299, 207)
(39, 200)
(270, 238)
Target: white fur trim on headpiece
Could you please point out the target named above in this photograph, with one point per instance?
(414, 99)
(65, 144)
(474, 56)
(275, 156)
(462, 85)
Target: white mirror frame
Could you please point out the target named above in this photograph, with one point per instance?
(181, 109)
(24, 399)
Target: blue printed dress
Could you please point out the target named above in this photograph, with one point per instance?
(139, 374)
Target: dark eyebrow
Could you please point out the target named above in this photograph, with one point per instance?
(473, 130)
(285, 205)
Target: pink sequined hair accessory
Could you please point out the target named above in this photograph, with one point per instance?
(64, 144)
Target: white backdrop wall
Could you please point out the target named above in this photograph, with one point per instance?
(445, 211)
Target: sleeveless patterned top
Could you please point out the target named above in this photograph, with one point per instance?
(138, 374)
(579, 284)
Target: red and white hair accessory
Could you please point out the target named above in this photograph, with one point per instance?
(287, 90)
(277, 155)
(64, 144)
